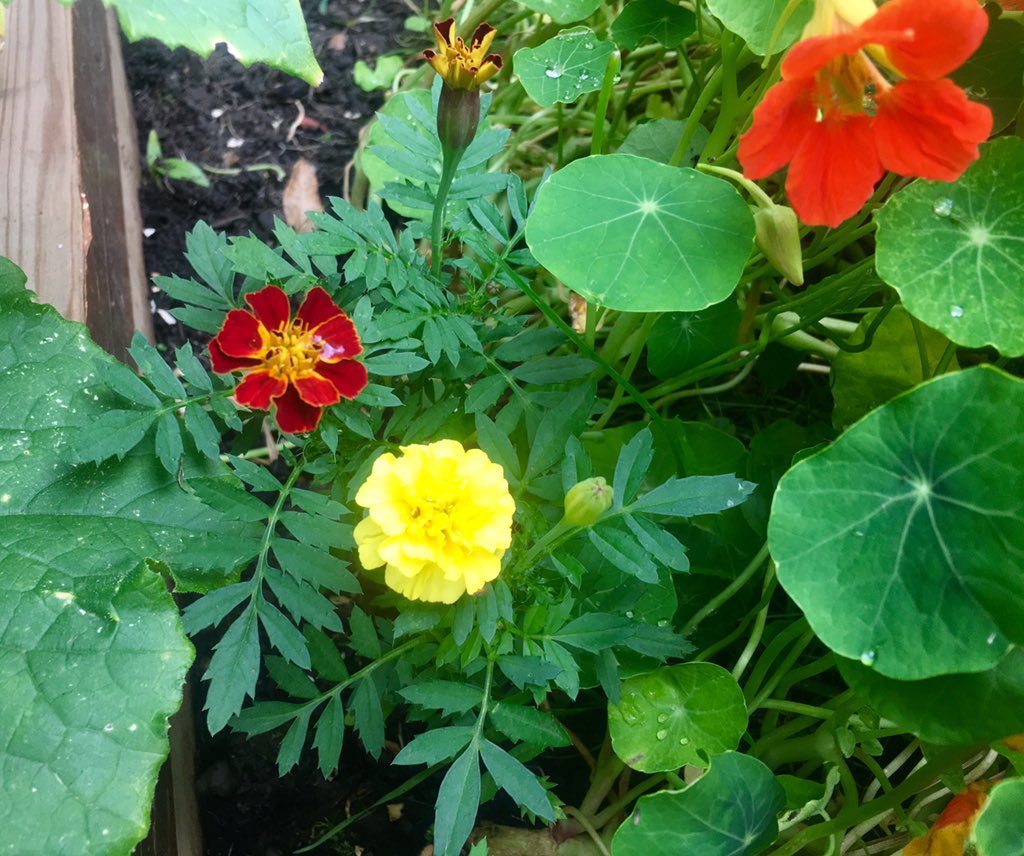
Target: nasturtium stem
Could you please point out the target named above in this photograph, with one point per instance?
(710, 90)
(728, 592)
(449, 164)
(607, 85)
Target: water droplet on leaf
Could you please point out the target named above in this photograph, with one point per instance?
(662, 717)
(956, 311)
(943, 207)
(554, 72)
(868, 657)
(662, 734)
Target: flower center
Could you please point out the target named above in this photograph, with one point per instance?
(292, 352)
(850, 84)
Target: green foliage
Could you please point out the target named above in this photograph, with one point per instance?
(563, 11)
(999, 827)
(564, 68)
(920, 503)
(660, 20)
(267, 31)
(669, 239)
(83, 614)
(729, 811)
(677, 715)
(952, 250)
(756, 23)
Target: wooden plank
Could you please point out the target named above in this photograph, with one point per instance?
(69, 217)
(42, 228)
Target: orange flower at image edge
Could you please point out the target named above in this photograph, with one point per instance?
(298, 366)
(869, 96)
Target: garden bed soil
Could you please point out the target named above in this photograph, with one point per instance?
(216, 113)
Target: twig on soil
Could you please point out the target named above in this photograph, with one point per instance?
(294, 126)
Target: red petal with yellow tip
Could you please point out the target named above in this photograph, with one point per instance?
(348, 376)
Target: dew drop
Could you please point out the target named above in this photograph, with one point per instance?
(684, 741)
(991, 639)
(629, 613)
(943, 207)
(554, 72)
(651, 693)
(868, 657)
(662, 734)
(956, 311)
(108, 727)
(584, 76)
(662, 718)
(588, 45)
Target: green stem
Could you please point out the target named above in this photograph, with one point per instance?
(449, 164)
(607, 85)
(727, 593)
(851, 816)
(485, 700)
(710, 90)
(627, 371)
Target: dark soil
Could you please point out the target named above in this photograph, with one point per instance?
(219, 114)
(216, 113)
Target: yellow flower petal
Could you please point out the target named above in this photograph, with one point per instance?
(440, 520)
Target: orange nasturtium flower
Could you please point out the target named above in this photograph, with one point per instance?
(299, 366)
(463, 66)
(949, 833)
(866, 91)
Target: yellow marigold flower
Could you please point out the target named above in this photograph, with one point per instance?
(463, 66)
(440, 519)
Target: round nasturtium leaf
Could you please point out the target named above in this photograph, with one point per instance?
(999, 829)
(955, 251)
(565, 67)
(677, 715)
(994, 75)
(563, 11)
(682, 340)
(948, 710)
(666, 23)
(658, 139)
(631, 234)
(903, 541)
(729, 811)
(756, 22)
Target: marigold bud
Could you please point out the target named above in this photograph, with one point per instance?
(458, 114)
(778, 237)
(587, 501)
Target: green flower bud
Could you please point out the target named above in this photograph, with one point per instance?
(458, 114)
(778, 237)
(587, 501)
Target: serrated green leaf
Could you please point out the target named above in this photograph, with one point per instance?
(447, 696)
(152, 365)
(363, 635)
(516, 780)
(233, 670)
(191, 368)
(168, 444)
(283, 635)
(231, 499)
(212, 608)
(631, 467)
(318, 531)
(265, 716)
(291, 746)
(113, 433)
(693, 496)
(457, 801)
(303, 601)
(595, 631)
(315, 566)
(528, 724)
(290, 678)
(435, 745)
(327, 660)
(257, 477)
(125, 383)
(624, 551)
(330, 736)
(202, 431)
(369, 718)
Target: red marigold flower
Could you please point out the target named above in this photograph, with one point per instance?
(299, 366)
(865, 92)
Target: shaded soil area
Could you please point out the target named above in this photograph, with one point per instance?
(256, 121)
(215, 113)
